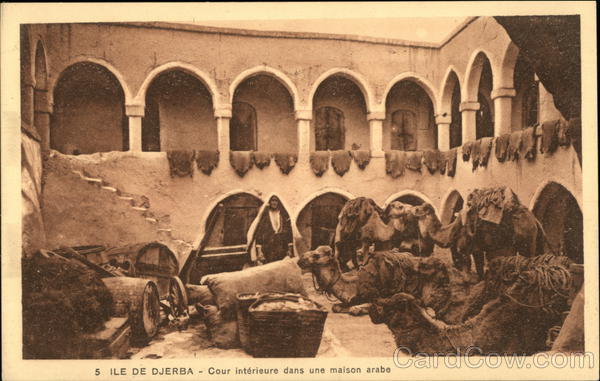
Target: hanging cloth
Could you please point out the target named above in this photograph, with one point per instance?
(502, 147)
(261, 159)
(528, 145)
(431, 159)
(414, 160)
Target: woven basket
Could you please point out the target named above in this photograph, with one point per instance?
(285, 333)
(244, 300)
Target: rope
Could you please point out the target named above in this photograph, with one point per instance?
(326, 290)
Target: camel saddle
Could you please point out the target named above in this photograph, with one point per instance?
(491, 203)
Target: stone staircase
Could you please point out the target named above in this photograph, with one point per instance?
(141, 204)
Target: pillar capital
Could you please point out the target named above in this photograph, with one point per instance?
(469, 106)
(134, 110)
(376, 115)
(443, 119)
(503, 92)
(223, 112)
(303, 114)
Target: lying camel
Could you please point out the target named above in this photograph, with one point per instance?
(384, 274)
(514, 321)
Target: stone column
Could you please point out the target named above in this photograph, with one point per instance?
(27, 101)
(503, 98)
(223, 116)
(443, 130)
(303, 118)
(41, 117)
(135, 112)
(376, 119)
(469, 125)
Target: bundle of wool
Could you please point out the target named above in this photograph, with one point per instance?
(502, 147)
(414, 160)
(241, 161)
(286, 161)
(361, 158)
(180, 163)
(319, 162)
(340, 160)
(528, 145)
(261, 159)
(62, 299)
(395, 161)
(514, 145)
(549, 137)
(206, 161)
(431, 159)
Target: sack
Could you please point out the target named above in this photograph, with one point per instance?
(278, 276)
(223, 333)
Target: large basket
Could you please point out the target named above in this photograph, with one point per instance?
(285, 333)
(245, 300)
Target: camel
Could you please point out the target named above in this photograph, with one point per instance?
(362, 223)
(384, 273)
(498, 233)
(330, 279)
(514, 320)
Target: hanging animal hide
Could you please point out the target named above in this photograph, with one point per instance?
(549, 137)
(451, 162)
(319, 162)
(180, 163)
(502, 147)
(241, 161)
(514, 145)
(206, 161)
(475, 153)
(261, 159)
(340, 161)
(286, 161)
(395, 161)
(482, 150)
(466, 151)
(443, 161)
(414, 160)
(431, 159)
(528, 144)
(361, 158)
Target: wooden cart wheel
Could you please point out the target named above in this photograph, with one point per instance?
(150, 312)
(177, 297)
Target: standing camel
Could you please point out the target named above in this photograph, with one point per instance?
(362, 223)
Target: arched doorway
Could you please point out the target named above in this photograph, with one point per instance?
(224, 246)
(179, 114)
(456, 117)
(485, 115)
(263, 116)
(525, 104)
(410, 122)
(318, 219)
(89, 111)
(340, 116)
(559, 213)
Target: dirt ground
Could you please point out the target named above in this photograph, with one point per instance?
(343, 336)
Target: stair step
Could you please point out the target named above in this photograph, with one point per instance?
(165, 230)
(140, 208)
(110, 189)
(126, 198)
(151, 220)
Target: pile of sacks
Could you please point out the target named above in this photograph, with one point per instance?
(218, 306)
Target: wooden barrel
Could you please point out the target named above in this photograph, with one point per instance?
(138, 299)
